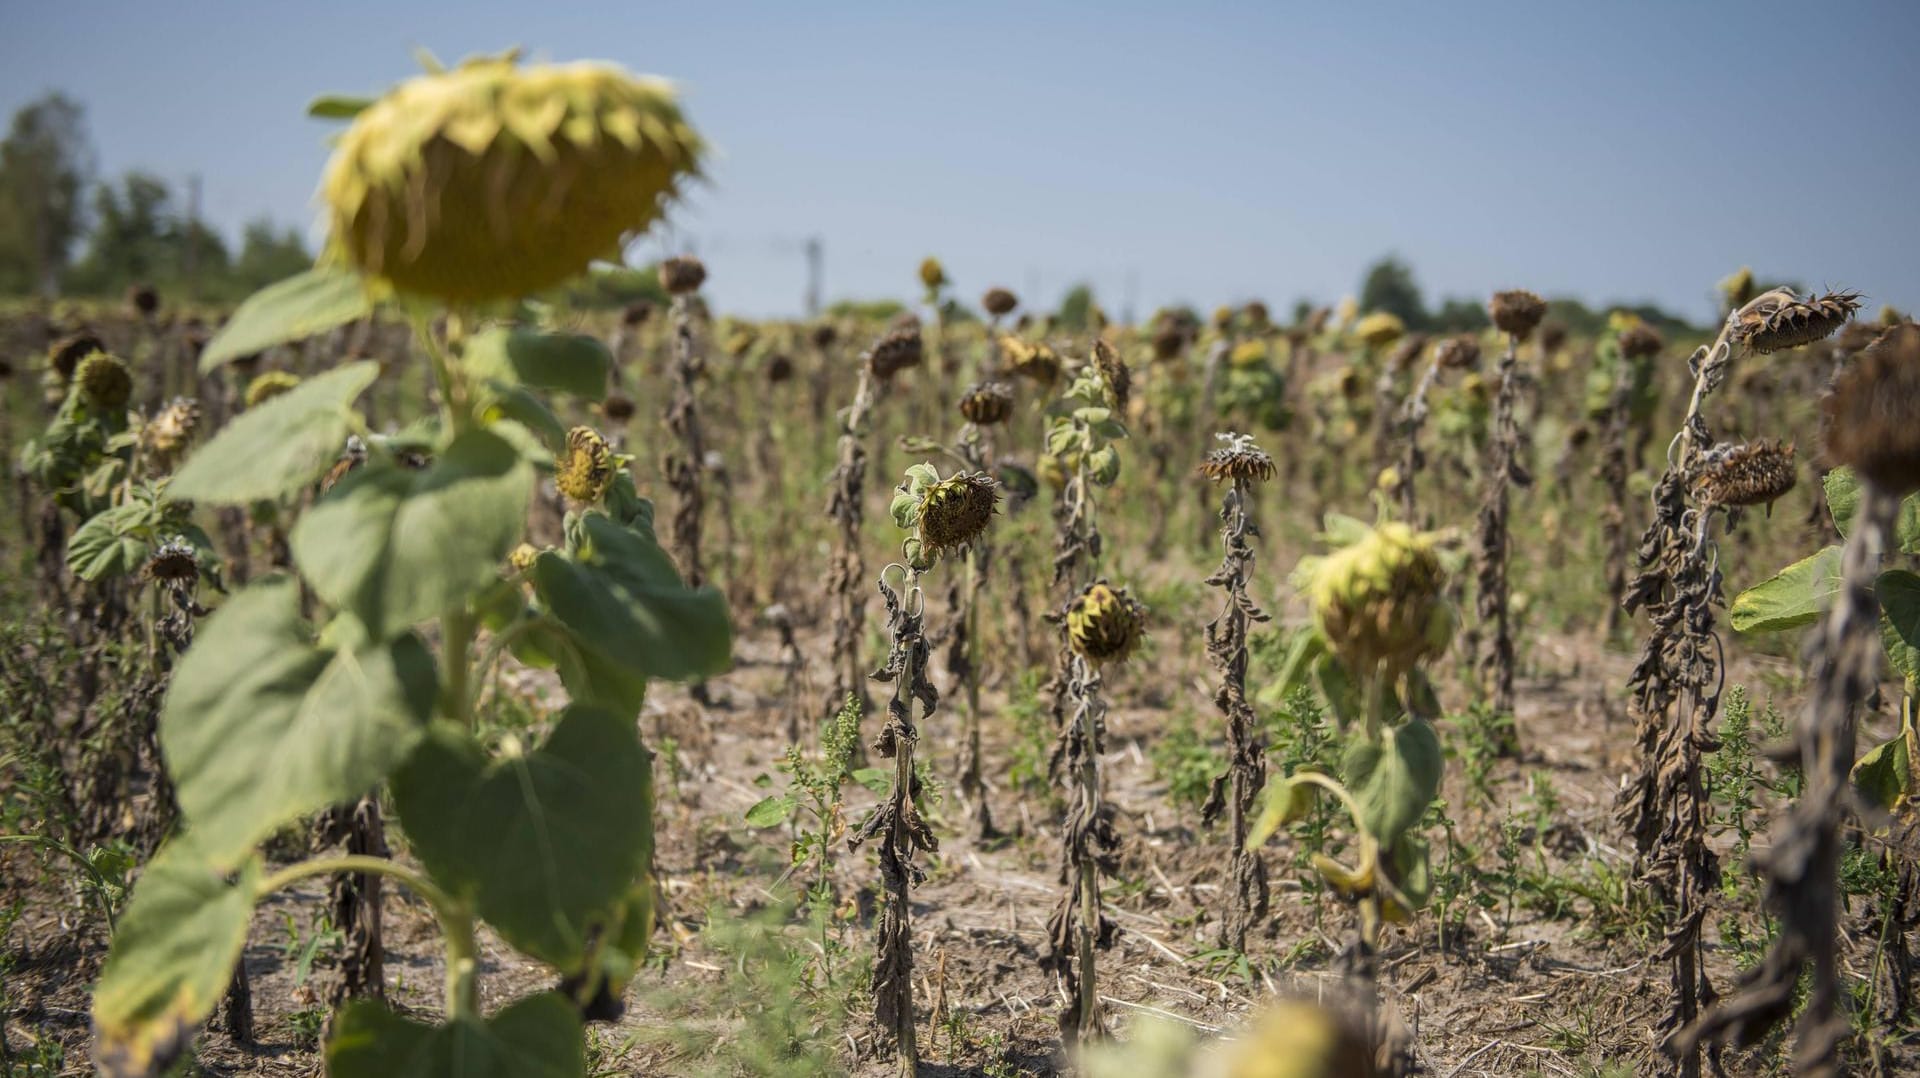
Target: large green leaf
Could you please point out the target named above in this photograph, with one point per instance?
(546, 843)
(1843, 503)
(300, 306)
(173, 952)
(1793, 597)
(397, 546)
(262, 726)
(1899, 593)
(1394, 776)
(588, 676)
(621, 596)
(279, 447)
(568, 362)
(110, 544)
(537, 1037)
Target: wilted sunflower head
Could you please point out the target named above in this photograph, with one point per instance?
(1113, 374)
(173, 562)
(142, 300)
(492, 181)
(636, 313)
(1031, 359)
(66, 353)
(954, 512)
(1752, 473)
(168, 432)
(268, 385)
(1259, 319)
(932, 274)
(1251, 352)
(987, 403)
(1458, 353)
(104, 382)
(1168, 342)
(896, 350)
(1738, 288)
(1105, 624)
(682, 275)
(779, 368)
(999, 302)
(585, 470)
(823, 335)
(617, 408)
(1871, 416)
(1239, 460)
(1379, 329)
(1777, 320)
(1407, 353)
(1517, 312)
(1298, 1039)
(1640, 341)
(1382, 599)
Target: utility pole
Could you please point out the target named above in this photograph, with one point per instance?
(190, 256)
(816, 270)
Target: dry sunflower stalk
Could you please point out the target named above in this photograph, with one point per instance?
(1677, 682)
(1238, 465)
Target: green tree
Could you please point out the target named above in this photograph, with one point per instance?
(1458, 315)
(1076, 308)
(268, 255)
(1389, 286)
(139, 238)
(46, 163)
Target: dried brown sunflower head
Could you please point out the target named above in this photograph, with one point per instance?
(1239, 460)
(586, 469)
(683, 275)
(1640, 341)
(999, 302)
(1257, 316)
(1458, 353)
(1553, 335)
(174, 562)
(1168, 343)
(1778, 320)
(1031, 359)
(617, 408)
(1113, 371)
(1105, 624)
(1407, 352)
(1752, 473)
(67, 352)
(142, 300)
(1871, 416)
(1517, 312)
(896, 350)
(987, 403)
(104, 381)
(955, 512)
(823, 335)
(168, 432)
(779, 368)
(636, 313)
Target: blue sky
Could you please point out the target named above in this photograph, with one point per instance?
(1201, 152)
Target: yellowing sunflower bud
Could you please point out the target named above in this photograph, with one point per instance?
(104, 382)
(1379, 329)
(1296, 1039)
(492, 181)
(1105, 624)
(1248, 353)
(523, 557)
(932, 274)
(1382, 600)
(586, 469)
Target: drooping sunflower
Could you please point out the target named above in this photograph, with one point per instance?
(492, 181)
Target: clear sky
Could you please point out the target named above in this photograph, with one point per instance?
(1195, 152)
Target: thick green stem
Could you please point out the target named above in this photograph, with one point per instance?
(455, 920)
